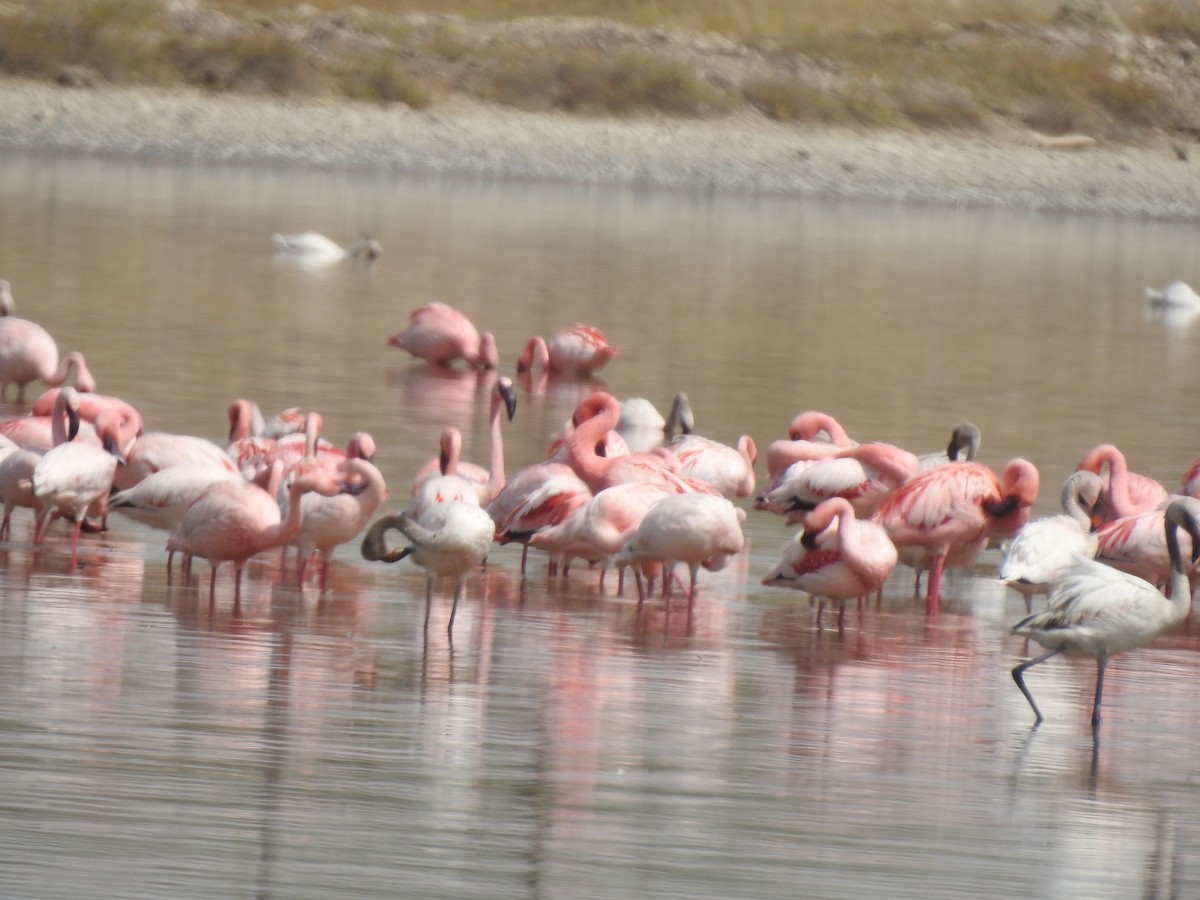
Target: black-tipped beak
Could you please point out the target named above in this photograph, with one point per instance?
(110, 446)
(510, 400)
(808, 540)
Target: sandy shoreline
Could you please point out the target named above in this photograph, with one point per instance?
(745, 154)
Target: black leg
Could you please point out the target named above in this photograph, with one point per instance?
(1100, 664)
(1018, 675)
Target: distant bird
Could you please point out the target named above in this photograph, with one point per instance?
(310, 247)
(695, 529)
(578, 349)
(836, 557)
(449, 539)
(1045, 548)
(1096, 611)
(440, 334)
(28, 353)
(1175, 294)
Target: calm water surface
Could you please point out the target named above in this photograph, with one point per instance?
(308, 745)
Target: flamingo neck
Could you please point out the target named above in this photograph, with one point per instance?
(496, 454)
(535, 353)
(73, 361)
(581, 441)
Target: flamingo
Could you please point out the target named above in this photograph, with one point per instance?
(536, 497)
(964, 444)
(103, 411)
(314, 248)
(578, 349)
(1096, 611)
(28, 353)
(836, 557)
(1127, 493)
(944, 516)
(332, 521)
(73, 477)
(805, 441)
(603, 524)
(449, 459)
(696, 529)
(155, 451)
(451, 485)
(864, 474)
(1046, 547)
(1135, 544)
(730, 470)
(449, 539)
(441, 334)
(233, 520)
(16, 488)
(599, 472)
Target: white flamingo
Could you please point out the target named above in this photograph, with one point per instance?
(1096, 611)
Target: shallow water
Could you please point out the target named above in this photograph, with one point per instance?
(564, 744)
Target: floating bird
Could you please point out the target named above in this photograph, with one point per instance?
(1047, 547)
(28, 353)
(440, 334)
(836, 557)
(1096, 611)
(578, 349)
(695, 529)
(1175, 294)
(314, 248)
(449, 539)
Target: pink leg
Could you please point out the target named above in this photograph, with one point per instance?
(524, 556)
(637, 575)
(935, 581)
(324, 575)
(75, 539)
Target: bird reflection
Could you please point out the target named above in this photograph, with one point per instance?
(438, 395)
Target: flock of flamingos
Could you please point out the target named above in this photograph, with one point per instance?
(618, 488)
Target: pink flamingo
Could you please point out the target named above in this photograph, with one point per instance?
(155, 451)
(535, 498)
(232, 521)
(730, 470)
(449, 459)
(331, 521)
(37, 432)
(73, 478)
(1045, 548)
(451, 485)
(695, 529)
(864, 475)
(16, 483)
(441, 334)
(105, 412)
(28, 353)
(449, 539)
(578, 349)
(836, 557)
(602, 526)
(1127, 493)
(944, 516)
(599, 472)
(805, 441)
(1137, 544)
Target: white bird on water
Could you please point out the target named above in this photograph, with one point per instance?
(1175, 294)
(1096, 611)
(311, 247)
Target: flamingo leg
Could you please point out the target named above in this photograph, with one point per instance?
(637, 575)
(324, 575)
(458, 589)
(692, 584)
(212, 583)
(842, 619)
(75, 540)
(1101, 664)
(820, 612)
(524, 556)
(1018, 675)
(935, 582)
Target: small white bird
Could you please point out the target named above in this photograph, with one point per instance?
(310, 247)
(449, 539)
(1096, 611)
(1176, 294)
(1045, 548)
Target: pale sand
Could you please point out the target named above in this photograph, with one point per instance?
(746, 154)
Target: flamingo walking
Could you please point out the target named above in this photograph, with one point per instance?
(1096, 611)
(449, 539)
(441, 334)
(232, 521)
(837, 557)
(1047, 547)
(944, 516)
(695, 529)
(578, 349)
